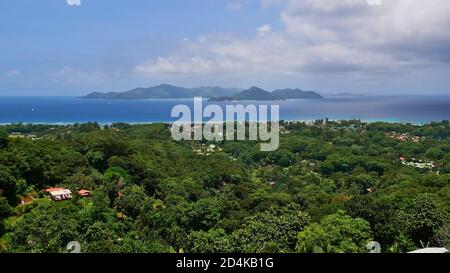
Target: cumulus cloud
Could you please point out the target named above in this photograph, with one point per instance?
(322, 36)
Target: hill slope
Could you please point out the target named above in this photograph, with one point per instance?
(164, 91)
(255, 93)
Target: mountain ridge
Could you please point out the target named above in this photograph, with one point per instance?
(163, 91)
(215, 93)
(256, 93)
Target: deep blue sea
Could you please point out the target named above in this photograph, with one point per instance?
(63, 110)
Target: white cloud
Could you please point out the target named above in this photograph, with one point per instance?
(263, 30)
(322, 36)
(323, 5)
(374, 2)
(73, 2)
(70, 76)
(179, 65)
(13, 73)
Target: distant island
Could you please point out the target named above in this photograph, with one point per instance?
(166, 91)
(255, 93)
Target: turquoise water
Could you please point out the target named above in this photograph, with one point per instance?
(64, 110)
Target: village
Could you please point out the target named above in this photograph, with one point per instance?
(55, 194)
(418, 163)
(405, 137)
(21, 135)
(204, 149)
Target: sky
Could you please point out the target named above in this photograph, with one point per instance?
(74, 47)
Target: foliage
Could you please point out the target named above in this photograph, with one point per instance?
(4, 139)
(5, 209)
(332, 186)
(336, 233)
(274, 230)
(421, 219)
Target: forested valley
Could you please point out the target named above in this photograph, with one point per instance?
(331, 187)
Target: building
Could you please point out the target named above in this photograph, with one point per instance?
(26, 200)
(58, 194)
(431, 250)
(84, 193)
(15, 135)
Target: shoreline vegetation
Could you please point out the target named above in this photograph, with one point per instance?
(330, 187)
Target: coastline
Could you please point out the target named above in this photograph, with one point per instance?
(71, 110)
(307, 121)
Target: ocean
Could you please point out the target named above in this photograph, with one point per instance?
(65, 110)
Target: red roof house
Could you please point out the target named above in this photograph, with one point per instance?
(84, 193)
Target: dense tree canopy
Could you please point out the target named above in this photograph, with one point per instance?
(330, 187)
(336, 233)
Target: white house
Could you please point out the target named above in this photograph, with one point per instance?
(431, 250)
(59, 194)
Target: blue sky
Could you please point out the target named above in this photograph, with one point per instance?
(48, 47)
